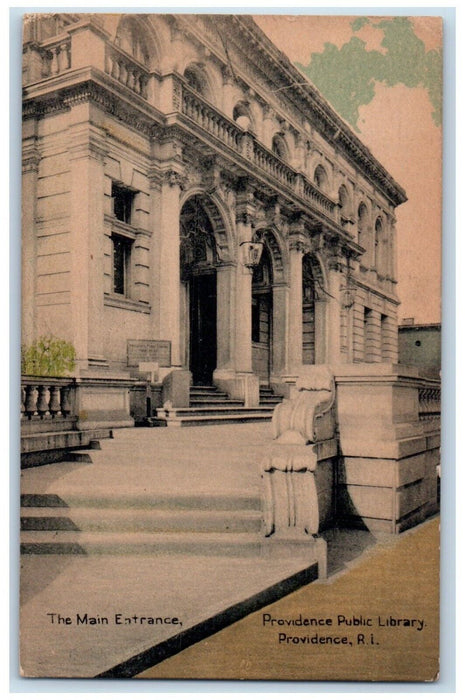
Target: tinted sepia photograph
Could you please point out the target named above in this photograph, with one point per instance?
(231, 346)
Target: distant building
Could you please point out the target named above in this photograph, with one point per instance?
(420, 346)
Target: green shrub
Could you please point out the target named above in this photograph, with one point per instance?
(48, 357)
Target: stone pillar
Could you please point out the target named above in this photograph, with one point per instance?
(334, 312)
(247, 384)
(228, 92)
(243, 300)
(281, 337)
(389, 339)
(86, 154)
(31, 159)
(296, 251)
(225, 315)
(372, 336)
(169, 271)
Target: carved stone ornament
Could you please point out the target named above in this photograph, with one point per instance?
(172, 178)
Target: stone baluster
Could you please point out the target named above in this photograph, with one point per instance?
(54, 60)
(54, 405)
(30, 401)
(42, 402)
(64, 401)
(63, 57)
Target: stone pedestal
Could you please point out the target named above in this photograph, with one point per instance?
(387, 477)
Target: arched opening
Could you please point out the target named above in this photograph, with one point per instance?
(308, 312)
(130, 38)
(196, 79)
(199, 258)
(321, 178)
(241, 115)
(379, 257)
(344, 205)
(313, 312)
(262, 317)
(279, 147)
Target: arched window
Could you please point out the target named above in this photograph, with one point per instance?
(321, 178)
(279, 148)
(344, 201)
(379, 258)
(196, 80)
(362, 225)
(241, 115)
(130, 38)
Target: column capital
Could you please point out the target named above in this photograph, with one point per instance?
(174, 178)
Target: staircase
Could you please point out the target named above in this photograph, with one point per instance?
(140, 524)
(208, 406)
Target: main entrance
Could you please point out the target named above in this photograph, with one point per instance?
(262, 318)
(198, 273)
(202, 315)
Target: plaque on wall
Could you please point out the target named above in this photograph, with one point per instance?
(149, 351)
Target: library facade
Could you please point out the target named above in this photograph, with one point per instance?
(195, 214)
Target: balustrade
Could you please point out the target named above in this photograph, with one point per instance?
(126, 71)
(209, 119)
(429, 398)
(47, 397)
(247, 145)
(58, 58)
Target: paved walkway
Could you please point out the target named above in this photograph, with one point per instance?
(212, 459)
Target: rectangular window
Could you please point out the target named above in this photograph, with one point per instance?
(123, 199)
(121, 264)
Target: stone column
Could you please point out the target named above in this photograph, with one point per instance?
(228, 92)
(225, 285)
(247, 384)
(243, 299)
(296, 251)
(31, 159)
(169, 271)
(372, 336)
(334, 312)
(86, 154)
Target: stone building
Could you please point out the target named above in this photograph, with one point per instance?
(195, 213)
(183, 183)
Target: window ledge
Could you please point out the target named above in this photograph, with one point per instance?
(121, 302)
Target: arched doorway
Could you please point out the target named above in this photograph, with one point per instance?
(198, 272)
(314, 299)
(262, 317)
(308, 312)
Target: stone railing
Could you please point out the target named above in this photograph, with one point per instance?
(126, 70)
(429, 398)
(57, 57)
(46, 398)
(317, 198)
(272, 165)
(211, 120)
(246, 145)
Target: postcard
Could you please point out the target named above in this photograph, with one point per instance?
(231, 346)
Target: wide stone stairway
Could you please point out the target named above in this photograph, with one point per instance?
(208, 405)
(161, 522)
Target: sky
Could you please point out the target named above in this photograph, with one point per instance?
(383, 76)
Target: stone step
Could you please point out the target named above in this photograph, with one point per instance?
(210, 410)
(231, 502)
(138, 520)
(214, 401)
(215, 417)
(199, 543)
